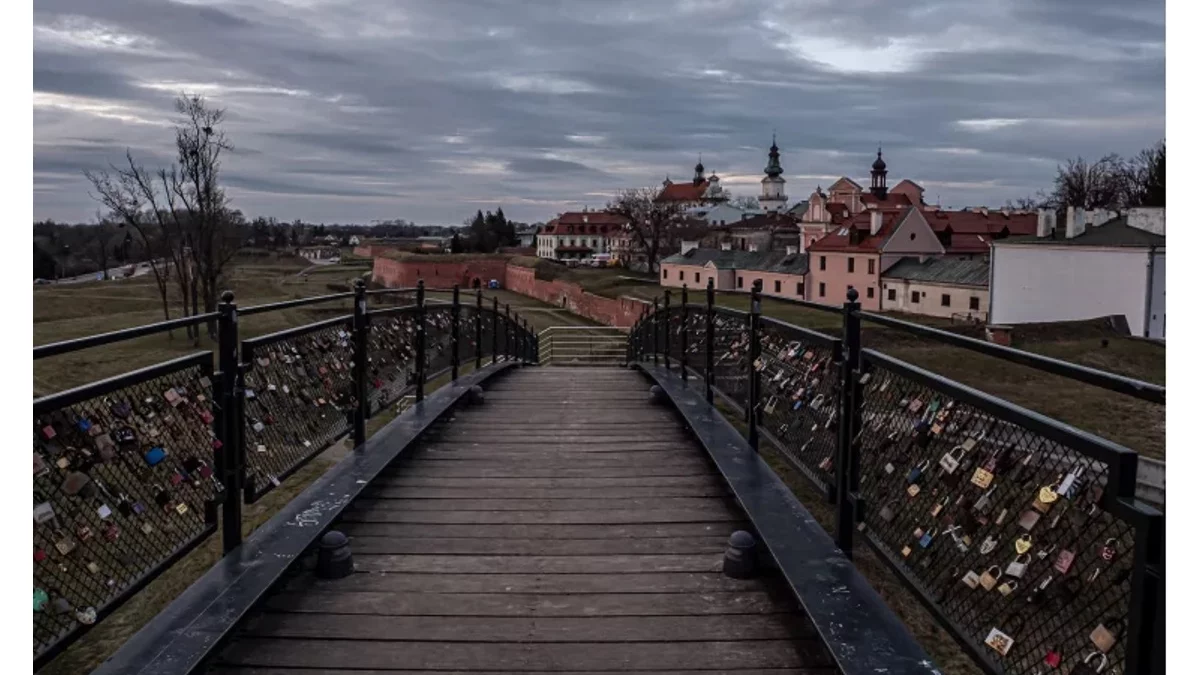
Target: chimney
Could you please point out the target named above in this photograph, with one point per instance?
(1045, 226)
(792, 250)
(585, 214)
(686, 246)
(1075, 221)
(753, 248)
(876, 222)
(1148, 219)
(726, 246)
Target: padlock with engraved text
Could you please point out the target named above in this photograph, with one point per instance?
(990, 576)
(951, 460)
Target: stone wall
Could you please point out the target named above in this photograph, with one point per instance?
(620, 312)
(441, 275)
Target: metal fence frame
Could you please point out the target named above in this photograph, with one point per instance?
(652, 336)
(234, 359)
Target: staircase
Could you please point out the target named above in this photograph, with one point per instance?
(582, 346)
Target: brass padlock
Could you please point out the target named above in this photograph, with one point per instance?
(989, 578)
(1104, 637)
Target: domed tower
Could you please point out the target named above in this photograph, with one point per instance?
(879, 176)
(773, 197)
(699, 177)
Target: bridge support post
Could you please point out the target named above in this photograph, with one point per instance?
(232, 453)
(420, 339)
(495, 327)
(846, 465)
(478, 328)
(755, 349)
(507, 332)
(667, 329)
(683, 335)
(362, 407)
(655, 318)
(708, 341)
(455, 310)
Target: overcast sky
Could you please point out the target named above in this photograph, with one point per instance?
(359, 110)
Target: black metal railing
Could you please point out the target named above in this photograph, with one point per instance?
(133, 472)
(1021, 534)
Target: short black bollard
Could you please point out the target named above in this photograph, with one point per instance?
(475, 396)
(741, 556)
(334, 559)
(656, 394)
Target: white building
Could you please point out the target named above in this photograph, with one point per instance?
(721, 214)
(1095, 265)
(578, 234)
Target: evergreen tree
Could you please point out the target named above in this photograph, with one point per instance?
(456, 245)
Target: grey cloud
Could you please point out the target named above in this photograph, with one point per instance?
(375, 109)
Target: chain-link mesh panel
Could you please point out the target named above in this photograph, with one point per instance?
(438, 352)
(122, 482)
(1002, 528)
(798, 400)
(731, 352)
(391, 357)
(299, 394)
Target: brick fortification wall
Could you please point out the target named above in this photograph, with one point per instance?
(620, 312)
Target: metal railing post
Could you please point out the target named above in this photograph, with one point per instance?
(420, 337)
(755, 349)
(232, 454)
(454, 313)
(667, 329)
(507, 333)
(709, 375)
(683, 335)
(655, 319)
(478, 328)
(495, 327)
(359, 334)
(845, 466)
(1145, 649)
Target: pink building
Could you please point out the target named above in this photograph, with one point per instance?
(783, 274)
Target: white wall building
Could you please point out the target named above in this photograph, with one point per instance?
(578, 234)
(721, 214)
(1094, 266)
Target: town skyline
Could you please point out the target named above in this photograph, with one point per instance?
(360, 112)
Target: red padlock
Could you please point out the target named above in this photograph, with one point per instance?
(1053, 658)
(1109, 550)
(38, 555)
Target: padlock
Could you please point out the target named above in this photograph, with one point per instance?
(1109, 550)
(826, 464)
(982, 478)
(917, 471)
(906, 551)
(1085, 666)
(1105, 635)
(43, 513)
(927, 539)
(154, 455)
(984, 501)
(1023, 544)
(971, 579)
(1008, 587)
(1029, 519)
(75, 482)
(1053, 658)
(1068, 486)
(1062, 564)
(1017, 567)
(989, 578)
(937, 508)
(913, 490)
(888, 513)
(999, 641)
(951, 460)
(1045, 499)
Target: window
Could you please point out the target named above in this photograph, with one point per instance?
(822, 266)
(681, 275)
(892, 294)
(758, 283)
(664, 274)
(697, 277)
(870, 291)
(974, 303)
(778, 286)
(800, 288)
(870, 266)
(739, 282)
(850, 265)
(916, 297)
(945, 299)
(821, 289)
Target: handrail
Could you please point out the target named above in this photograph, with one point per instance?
(299, 302)
(1119, 383)
(67, 346)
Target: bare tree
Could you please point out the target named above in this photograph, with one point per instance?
(1097, 185)
(180, 213)
(1146, 177)
(1026, 203)
(745, 203)
(653, 223)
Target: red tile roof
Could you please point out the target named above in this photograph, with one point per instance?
(683, 192)
(838, 182)
(971, 231)
(839, 239)
(894, 200)
(572, 222)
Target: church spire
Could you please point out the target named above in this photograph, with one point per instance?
(773, 169)
(879, 175)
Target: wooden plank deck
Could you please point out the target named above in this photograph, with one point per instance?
(564, 526)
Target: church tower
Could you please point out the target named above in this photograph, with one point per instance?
(879, 176)
(773, 198)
